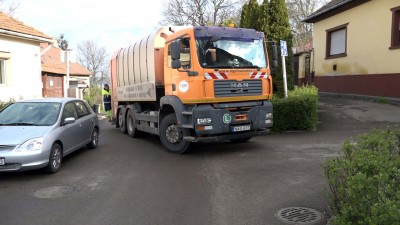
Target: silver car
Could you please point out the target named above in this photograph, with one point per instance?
(38, 133)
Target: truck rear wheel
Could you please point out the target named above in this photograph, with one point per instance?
(171, 135)
(131, 124)
(121, 121)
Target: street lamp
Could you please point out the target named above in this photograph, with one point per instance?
(67, 79)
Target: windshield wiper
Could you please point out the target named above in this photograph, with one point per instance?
(18, 124)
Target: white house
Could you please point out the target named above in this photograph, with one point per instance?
(20, 61)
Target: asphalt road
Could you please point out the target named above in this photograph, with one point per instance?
(134, 181)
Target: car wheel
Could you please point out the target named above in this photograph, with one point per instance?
(55, 159)
(94, 141)
(121, 121)
(171, 135)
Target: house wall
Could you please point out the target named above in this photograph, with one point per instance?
(23, 76)
(369, 63)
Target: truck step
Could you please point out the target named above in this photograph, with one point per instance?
(189, 126)
(187, 113)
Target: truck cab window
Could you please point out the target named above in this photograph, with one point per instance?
(185, 53)
(184, 56)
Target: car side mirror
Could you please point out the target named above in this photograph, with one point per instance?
(68, 120)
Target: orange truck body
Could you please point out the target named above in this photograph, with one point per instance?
(217, 94)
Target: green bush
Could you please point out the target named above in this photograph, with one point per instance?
(365, 182)
(298, 111)
(92, 95)
(5, 104)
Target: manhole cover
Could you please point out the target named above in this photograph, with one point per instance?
(299, 215)
(55, 191)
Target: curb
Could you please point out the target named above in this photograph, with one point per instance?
(378, 99)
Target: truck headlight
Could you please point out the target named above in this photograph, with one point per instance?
(202, 121)
(269, 116)
(35, 144)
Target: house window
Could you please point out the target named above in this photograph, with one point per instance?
(395, 28)
(2, 72)
(336, 42)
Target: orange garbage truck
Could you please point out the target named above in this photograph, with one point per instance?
(194, 84)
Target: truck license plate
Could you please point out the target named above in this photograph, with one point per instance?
(2, 162)
(240, 128)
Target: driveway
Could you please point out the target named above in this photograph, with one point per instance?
(134, 181)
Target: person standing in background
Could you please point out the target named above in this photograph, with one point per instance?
(107, 100)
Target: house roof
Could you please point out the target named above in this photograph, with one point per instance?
(51, 63)
(13, 27)
(332, 8)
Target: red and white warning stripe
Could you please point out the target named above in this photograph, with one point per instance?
(256, 75)
(216, 76)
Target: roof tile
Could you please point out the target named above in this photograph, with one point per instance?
(51, 63)
(12, 24)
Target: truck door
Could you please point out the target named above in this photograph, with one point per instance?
(182, 84)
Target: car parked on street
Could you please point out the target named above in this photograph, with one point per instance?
(38, 133)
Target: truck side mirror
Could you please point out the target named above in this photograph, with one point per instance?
(175, 51)
(176, 64)
(274, 56)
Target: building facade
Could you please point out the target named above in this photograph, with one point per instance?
(356, 46)
(20, 66)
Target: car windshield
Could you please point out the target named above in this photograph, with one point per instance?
(30, 114)
(231, 53)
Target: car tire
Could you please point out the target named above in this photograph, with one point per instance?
(121, 122)
(55, 159)
(94, 139)
(171, 135)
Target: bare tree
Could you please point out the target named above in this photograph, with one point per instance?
(95, 59)
(9, 7)
(297, 11)
(200, 12)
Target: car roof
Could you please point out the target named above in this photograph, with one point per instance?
(56, 100)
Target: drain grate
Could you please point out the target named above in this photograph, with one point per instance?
(299, 215)
(55, 191)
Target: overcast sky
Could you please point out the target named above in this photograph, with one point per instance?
(112, 24)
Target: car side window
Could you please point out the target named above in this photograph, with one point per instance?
(81, 109)
(69, 111)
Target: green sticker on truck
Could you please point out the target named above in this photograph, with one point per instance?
(227, 118)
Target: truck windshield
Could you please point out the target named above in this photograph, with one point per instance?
(231, 53)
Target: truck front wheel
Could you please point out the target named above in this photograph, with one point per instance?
(171, 135)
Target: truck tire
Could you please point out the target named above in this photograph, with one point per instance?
(171, 135)
(121, 122)
(131, 124)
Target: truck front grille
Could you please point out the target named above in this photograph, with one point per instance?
(230, 88)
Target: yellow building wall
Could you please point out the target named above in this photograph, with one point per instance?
(368, 41)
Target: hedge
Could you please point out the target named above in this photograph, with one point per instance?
(365, 182)
(298, 111)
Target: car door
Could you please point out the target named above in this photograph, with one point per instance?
(70, 136)
(86, 121)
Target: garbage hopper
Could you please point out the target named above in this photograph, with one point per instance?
(96, 108)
